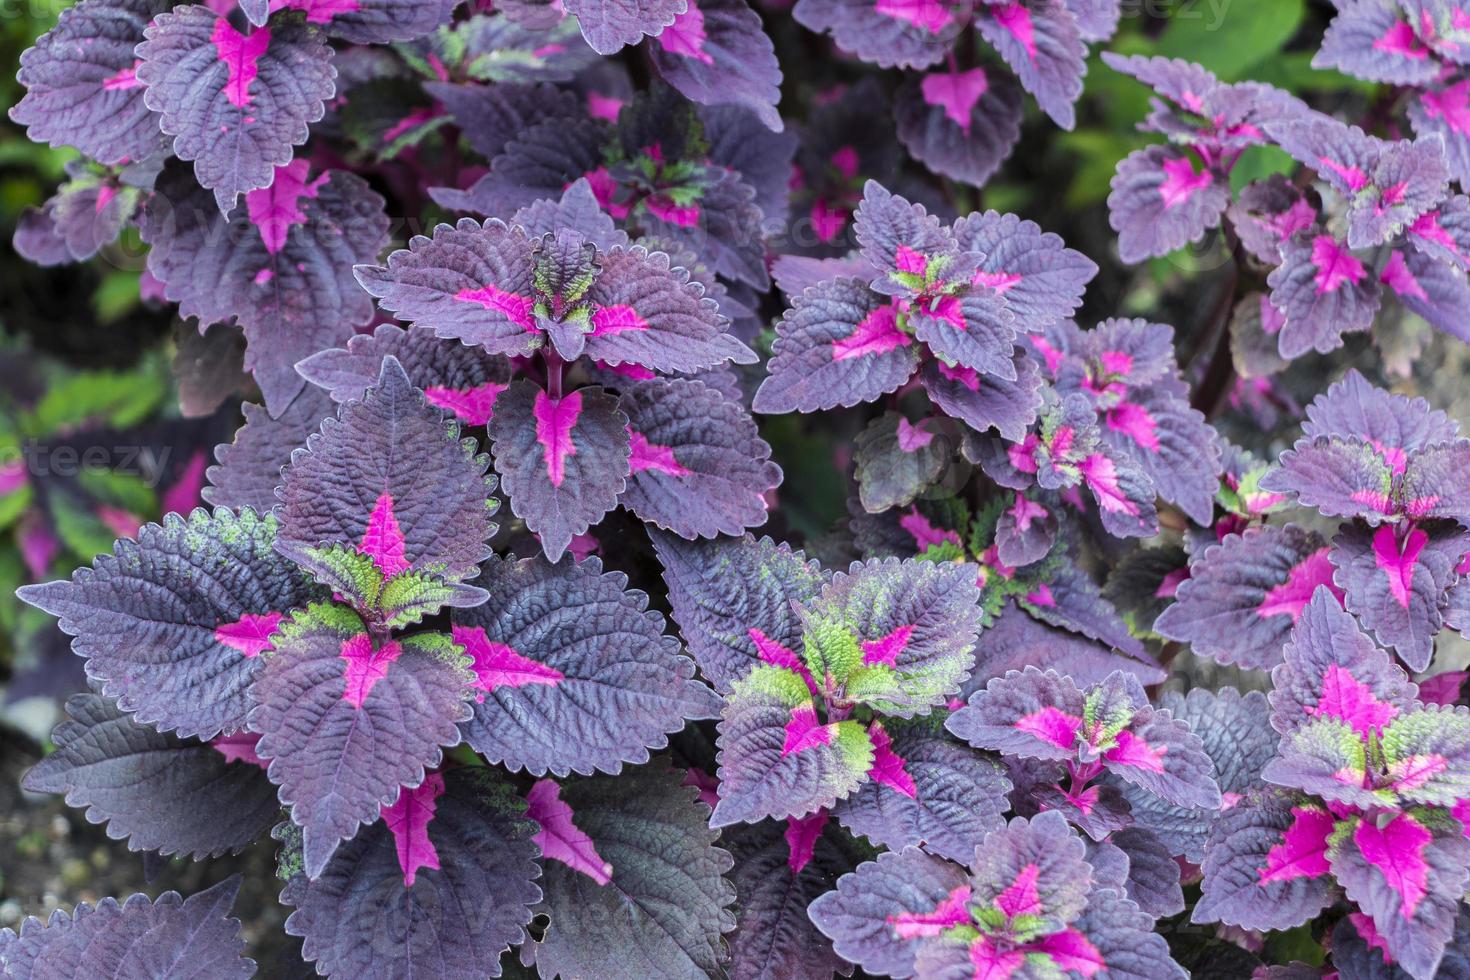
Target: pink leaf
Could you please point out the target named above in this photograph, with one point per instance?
(559, 838)
(1020, 897)
(878, 333)
(1346, 697)
(1292, 596)
(887, 649)
(804, 731)
(888, 766)
(275, 209)
(1398, 560)
(240, 53)
(474, 406)
(1052, 725)
(956, 93)
(555, 419)
(1134, 751)
(648, 456)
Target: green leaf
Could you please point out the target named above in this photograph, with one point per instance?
(1229, 38)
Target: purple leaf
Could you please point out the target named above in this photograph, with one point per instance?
(80, 85)
(1269, 213)
(1172, 443)
(984, 401)
(971, 331)
(1409, 878)
(359, 918)
(1040, 279)
(1325, 758)
(649, 314)
(373, 21)
(774, 938)
(1162, 200)
(463, 380)
(1429, 288)
(1375, 41)
(1395, 579)
(359, 491)
(235, 103)
(1072, 601)
(617, 686)
(491, 116)
(1428, 755)
(609, 25)
(1040, 41)
(579, 210)
(733, 600)
(1122, 939)
(345, 721)
(1028, 713)
(887, 33)
(281, 265)
(1016, 640)
(1153, 874)
(667, 898)
(715, 53)
(699, 467)
(1332, 670)
(1400, 425)
(469, 282)
(777, 759)
(961, 125)
(85, 215)
(563, 461)
(896, 461)
(838, 345)
(858, 915)
(1444, 232)
(959, 798)
(154, 618)
(167, 936)
(1244, 595)
(1324, 291)
(1265, 865)
(1033, 870)
(249, 468)
(151, 788)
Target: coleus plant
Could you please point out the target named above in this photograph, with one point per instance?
(957, 746)
(1368, 792)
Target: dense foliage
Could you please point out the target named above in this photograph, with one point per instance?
(1133, 657)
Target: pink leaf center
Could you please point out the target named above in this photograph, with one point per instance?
(1137, 753)
(804, 731)
(408, 818)
(1398, 561)
(275, 209)
(499, 665)
(250, 634)
(382, 540)
(1051, 725)
(1020, 897)
(555, 419)
(1302, 852)
(366, 666)
(1397, 851)
(1349, 699)
(1291, 597)
(956, 93)
(651, 456)
(559, 838)
(610, 320)
(239, 747)
(878, 333)
(886, 650)
(889, 768)
(473, 406)
(951, 911)
(241, 55)
(1181, 182)
(1335, 264)
(515, 308)
(685, 36)
(802, 834)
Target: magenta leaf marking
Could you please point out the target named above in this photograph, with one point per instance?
(383, 540)
(239, 747)
(878, 333)
(1020, 897)
(1101, 474)
(1052, 725)
(932, 15)
(887, 649)
(802, 834)
(559, 838)
(1016, 20)
(609, 320)
(912, 438)
(1397, 276)
(275, 209)
(1444, 687)
(241, 54)
(1181, 182)
(1398, 561)
(925, 534)
(774, 653)
(474, 406)
(650, 456)
(516, 308)
(686, 37)
(1370, 934)
(407, 818)
(555, 419)
(1335, 264)
(1134, 751)
(1352, 176)
(1291, 597)
(1135, 422)
(804, 731)
(250, 634)
(1400, 39)
(1347, 698)
(956, 93)
(1072, 952)
(1397, 850)
(888, 766)
(366, 666)
(1413, 771)
(993, 962)
(1302, 852)
(951, 911)
(125, 79)
(498, 665)
(184, 494)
